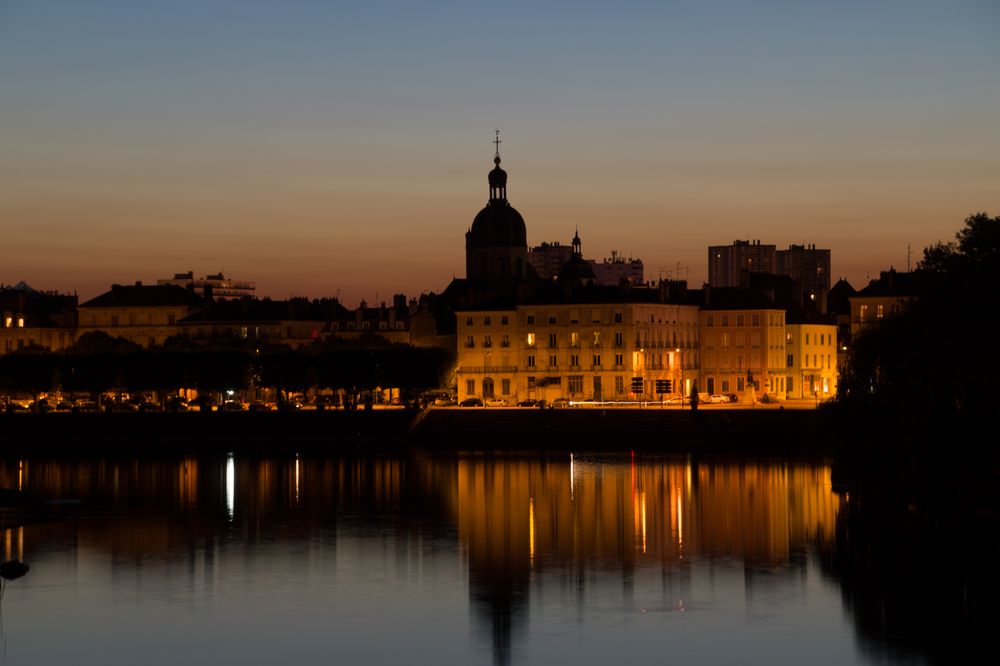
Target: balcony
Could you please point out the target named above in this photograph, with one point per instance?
(486, 369)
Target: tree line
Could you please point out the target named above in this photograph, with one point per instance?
(98, 363)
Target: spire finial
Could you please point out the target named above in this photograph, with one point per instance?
(496, 143)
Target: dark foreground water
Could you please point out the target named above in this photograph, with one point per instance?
(466, 560)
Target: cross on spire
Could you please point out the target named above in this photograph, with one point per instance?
(497, 142)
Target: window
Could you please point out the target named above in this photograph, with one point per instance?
(725, 386)
(724, 340)
(863, 313)
(366, 325)
(710, 321)
(740, 384)
(505, 340)
(531, 339)
(597, 360)
(552, 340)
(468, 321)
(487, 320)
(739, 320)
(790, 383)
(487, 341)
(619, 359)
(504, 320)
(553, 362)
(725, 320)
(531, 319)
(171, 320)
(575, 383)
(552, 320)
(878, 311)
(755, 319)
(619, 385)
(383, 325)
(505, 387)
(791, 360)
(531, 360)
(618, 317)
(618, 339)
(574, 339)
(470, 342)
(597, 338)
(470, 386)
(488, 387)
(574, 360)
(114, 320)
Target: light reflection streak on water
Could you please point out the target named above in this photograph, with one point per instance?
(230, 485)
(643, 501)
(296, 479)
(531, 528)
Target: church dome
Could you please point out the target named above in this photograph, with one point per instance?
(499, 224)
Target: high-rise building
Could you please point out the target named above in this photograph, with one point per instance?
(548, 258)
(806, 265)
(727, 263)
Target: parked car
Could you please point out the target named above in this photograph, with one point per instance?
(444, 401)
(560, 403)
(471, 402)
(177, 404)
(233, 406)
(716, 398)
(86, 406)
(528, 403)
(258, 406)
(677, 400)
(495, 402)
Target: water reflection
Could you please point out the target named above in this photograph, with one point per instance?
(555, 557)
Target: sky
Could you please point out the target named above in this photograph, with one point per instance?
(325, 148)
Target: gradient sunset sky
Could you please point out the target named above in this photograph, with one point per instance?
(342, 147)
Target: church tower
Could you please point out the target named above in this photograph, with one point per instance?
(496, 246)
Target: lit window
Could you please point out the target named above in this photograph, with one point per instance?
(574, 339)
(878, 313)
(531, 339)
(597, 338)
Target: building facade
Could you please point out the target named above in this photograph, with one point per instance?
(743, 352)
(811, 361)
(580, 351)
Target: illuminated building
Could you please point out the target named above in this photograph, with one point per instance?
(579, 350)
(34, 319)
(742, 339)
(811, 351)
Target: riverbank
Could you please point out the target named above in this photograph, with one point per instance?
(735, 431)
